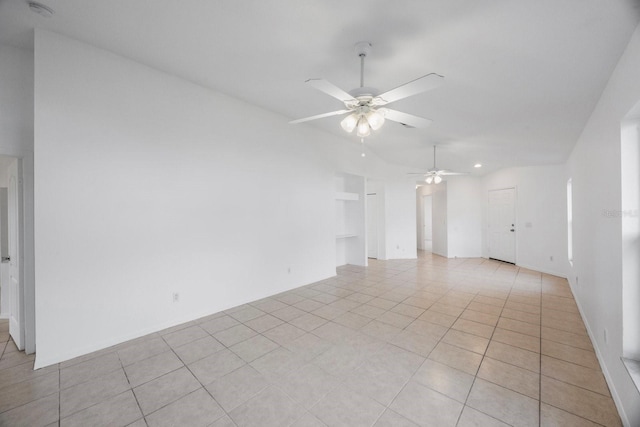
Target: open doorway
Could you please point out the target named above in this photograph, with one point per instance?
(372, 225)
(427, 223)
(12, 302)
(4, 252)
(424, 217)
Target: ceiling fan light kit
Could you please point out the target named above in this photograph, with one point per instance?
(364, 103)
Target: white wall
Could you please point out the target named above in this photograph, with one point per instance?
(148, 185)
(541, 215)
(594, 167)
(400, 219)
(464, 217)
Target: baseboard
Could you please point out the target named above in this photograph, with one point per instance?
(603, 366)
(542, 270)
(41, 362)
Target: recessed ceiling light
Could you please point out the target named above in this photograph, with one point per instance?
(477, 165)
(40, 9)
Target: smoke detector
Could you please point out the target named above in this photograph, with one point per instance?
(40, 9)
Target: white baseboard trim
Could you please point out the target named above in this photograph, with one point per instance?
(542, 270)
(603, 366)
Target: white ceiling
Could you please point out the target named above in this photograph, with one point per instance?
(521, 77)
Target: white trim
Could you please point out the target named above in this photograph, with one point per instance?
(77, 352)
(603, 366)
(541, 270)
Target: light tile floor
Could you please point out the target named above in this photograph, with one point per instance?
(426, 342)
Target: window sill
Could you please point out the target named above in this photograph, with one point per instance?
(633, 367)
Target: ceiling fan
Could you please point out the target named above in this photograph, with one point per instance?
(365, 104)
(434, 175)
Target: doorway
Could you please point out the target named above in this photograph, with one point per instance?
(4, 251)
(372, 225)
(427, 223)
(502, 225)
(12, 289)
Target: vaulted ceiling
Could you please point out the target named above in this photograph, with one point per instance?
(521, 77)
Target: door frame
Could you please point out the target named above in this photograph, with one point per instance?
(15, 224)
(26, 244)
(515, 221)
(372, 207)
(424, 222)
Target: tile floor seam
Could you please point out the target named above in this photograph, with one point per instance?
(60, 395)
(88, 379)
(26, 403)
(189, 393)
(130, 388)
(60, 390)
(448, 283)
(475, 377)
(17, 364)
(574, 414)
(540, 365)
(576, 386)
(566, 361)
(427, 358)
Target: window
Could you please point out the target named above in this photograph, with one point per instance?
(630, 230)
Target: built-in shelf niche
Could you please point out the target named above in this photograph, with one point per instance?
(350, 220)
(343, 195)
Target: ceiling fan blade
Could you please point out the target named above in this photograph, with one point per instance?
(449, 173)
(320, 116)
(404, 118)
(419, 85)
(332, 90)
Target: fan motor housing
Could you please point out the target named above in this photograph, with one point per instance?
(364, 92)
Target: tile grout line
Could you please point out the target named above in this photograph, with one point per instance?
(540, 355)
(399, 280)
(475, 377)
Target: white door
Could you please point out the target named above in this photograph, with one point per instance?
(16, 315)
(372, 226)
(428, 223)
(502, 225)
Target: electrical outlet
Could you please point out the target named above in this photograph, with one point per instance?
(289, 270)
(176, 297)
(551, 258)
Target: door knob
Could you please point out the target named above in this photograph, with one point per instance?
(6, 259)
(512, 230)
